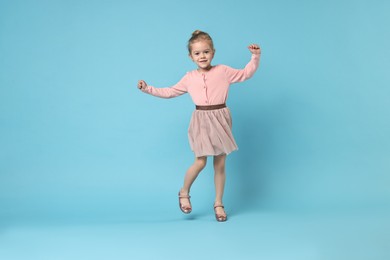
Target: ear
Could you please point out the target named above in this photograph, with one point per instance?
(213, 54)
(189, 55)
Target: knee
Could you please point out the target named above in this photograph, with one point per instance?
(219, 166)
(201, 163)
(219, 169)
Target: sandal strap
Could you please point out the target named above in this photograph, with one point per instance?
(219, 206)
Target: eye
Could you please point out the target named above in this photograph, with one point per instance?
(196, 53)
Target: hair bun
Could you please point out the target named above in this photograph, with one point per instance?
(198, 35)
(196, 32)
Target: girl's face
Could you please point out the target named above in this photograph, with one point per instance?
(202, 54)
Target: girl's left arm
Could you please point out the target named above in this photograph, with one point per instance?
(239, 75)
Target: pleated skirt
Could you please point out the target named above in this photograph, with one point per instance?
(210, 132)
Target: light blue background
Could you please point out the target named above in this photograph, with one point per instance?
(80, 141)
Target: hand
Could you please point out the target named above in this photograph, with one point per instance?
(254, 49)
(141, 84)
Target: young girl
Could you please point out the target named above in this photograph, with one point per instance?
(210, 130)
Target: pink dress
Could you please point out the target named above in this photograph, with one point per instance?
(210, 131)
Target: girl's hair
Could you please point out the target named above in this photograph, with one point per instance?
(198, 36)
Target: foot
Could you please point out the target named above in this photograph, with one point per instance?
(184, 202)
(220, 213)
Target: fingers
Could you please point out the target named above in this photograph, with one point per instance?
(254, 48)
(141, 84)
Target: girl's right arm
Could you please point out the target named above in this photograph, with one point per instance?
(176, 90)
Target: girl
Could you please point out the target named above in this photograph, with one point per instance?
(210, 130)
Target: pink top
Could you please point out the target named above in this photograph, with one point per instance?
(207, 88)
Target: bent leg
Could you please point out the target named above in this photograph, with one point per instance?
(191, 174)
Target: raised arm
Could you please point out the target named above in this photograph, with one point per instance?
(170, 92)
(238, 75)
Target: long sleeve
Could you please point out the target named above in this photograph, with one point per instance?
(238, 75)
(178, 89)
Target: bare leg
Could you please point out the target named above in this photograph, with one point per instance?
(191, 174)
(219, 180)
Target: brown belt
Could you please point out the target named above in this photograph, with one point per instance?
(212, 107)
